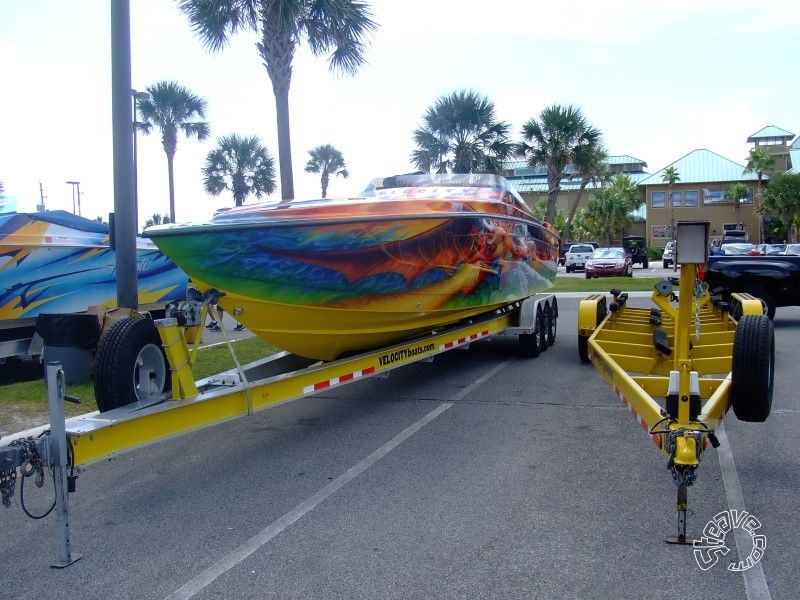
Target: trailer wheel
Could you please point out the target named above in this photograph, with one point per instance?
(583, 348)
(544, 316)
(530, 344)
(127, 347)
(753, 368)
(551, 330)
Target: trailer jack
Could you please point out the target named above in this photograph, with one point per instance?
(32, 455)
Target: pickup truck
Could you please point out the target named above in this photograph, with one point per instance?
(773, 279)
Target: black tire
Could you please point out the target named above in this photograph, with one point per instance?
(568, 270)
(583, 348)
(553, 326)
(753, 369)
(529, 345)
(544, 325)
(128, 345)
(666, 264)
(588, 276)
(646, 263)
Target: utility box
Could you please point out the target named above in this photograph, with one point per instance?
(70, 339)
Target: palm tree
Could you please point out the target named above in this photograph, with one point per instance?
(157, 219)
(670, 176)
(553, 142)
(761, 163)
(737, 192)
(590, 162)
(782, 197)
(460, 135)
(171, 107)
(328, 161)
(608, 213)
(336, 27)
(240, 165)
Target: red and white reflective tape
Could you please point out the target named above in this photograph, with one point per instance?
(656, 438)
(337, 380)
(465, 340)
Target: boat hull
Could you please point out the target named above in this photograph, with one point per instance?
(59, 263)
(325, 279)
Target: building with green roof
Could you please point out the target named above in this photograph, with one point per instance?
(699, 195)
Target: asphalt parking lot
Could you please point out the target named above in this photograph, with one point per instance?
(478, 475)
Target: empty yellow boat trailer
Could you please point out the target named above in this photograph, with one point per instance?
(699, 356)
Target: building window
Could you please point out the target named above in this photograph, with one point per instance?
(714, 197)
(658, 199)
(690, 198)
(676, 198)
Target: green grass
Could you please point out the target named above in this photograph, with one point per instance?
(604, 284)
(26, 401)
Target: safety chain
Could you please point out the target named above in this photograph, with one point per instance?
(700, 288)
(682, 475)
(31, 465)
(8, 479)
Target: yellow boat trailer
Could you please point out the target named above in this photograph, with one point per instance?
(698, 355)
(192, 405)
(281, 378)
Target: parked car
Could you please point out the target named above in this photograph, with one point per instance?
(609, 262)
(716, 245)
(577, 255)
(562, 252)
(792, 249)
(738, 250)
(770, 249)
(636, 246)
(562, 258)
(668, 257)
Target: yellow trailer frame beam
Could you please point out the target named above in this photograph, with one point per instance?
(288, 377)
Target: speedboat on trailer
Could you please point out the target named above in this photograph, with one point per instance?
(57, 262)
(321, 278)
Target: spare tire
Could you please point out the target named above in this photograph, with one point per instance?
(129, 346)
(753, 368)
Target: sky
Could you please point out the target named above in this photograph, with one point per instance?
(659, 79)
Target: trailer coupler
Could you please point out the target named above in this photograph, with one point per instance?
(32, 455)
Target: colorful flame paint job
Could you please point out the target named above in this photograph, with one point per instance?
(56, 262)
(324, 277)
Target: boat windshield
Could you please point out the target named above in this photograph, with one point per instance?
(448, 185)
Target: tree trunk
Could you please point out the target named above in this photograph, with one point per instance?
(284, 145)
(574, 208)
(171, 176)
(553, 181)
(324, 182)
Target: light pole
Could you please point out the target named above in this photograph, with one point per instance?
(136, 95)
(76, 184)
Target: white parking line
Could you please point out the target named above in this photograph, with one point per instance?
(755, 583)
(235, 557)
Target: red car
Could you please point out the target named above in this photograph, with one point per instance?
(609, 262)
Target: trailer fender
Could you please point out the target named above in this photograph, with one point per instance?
(591, 312)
